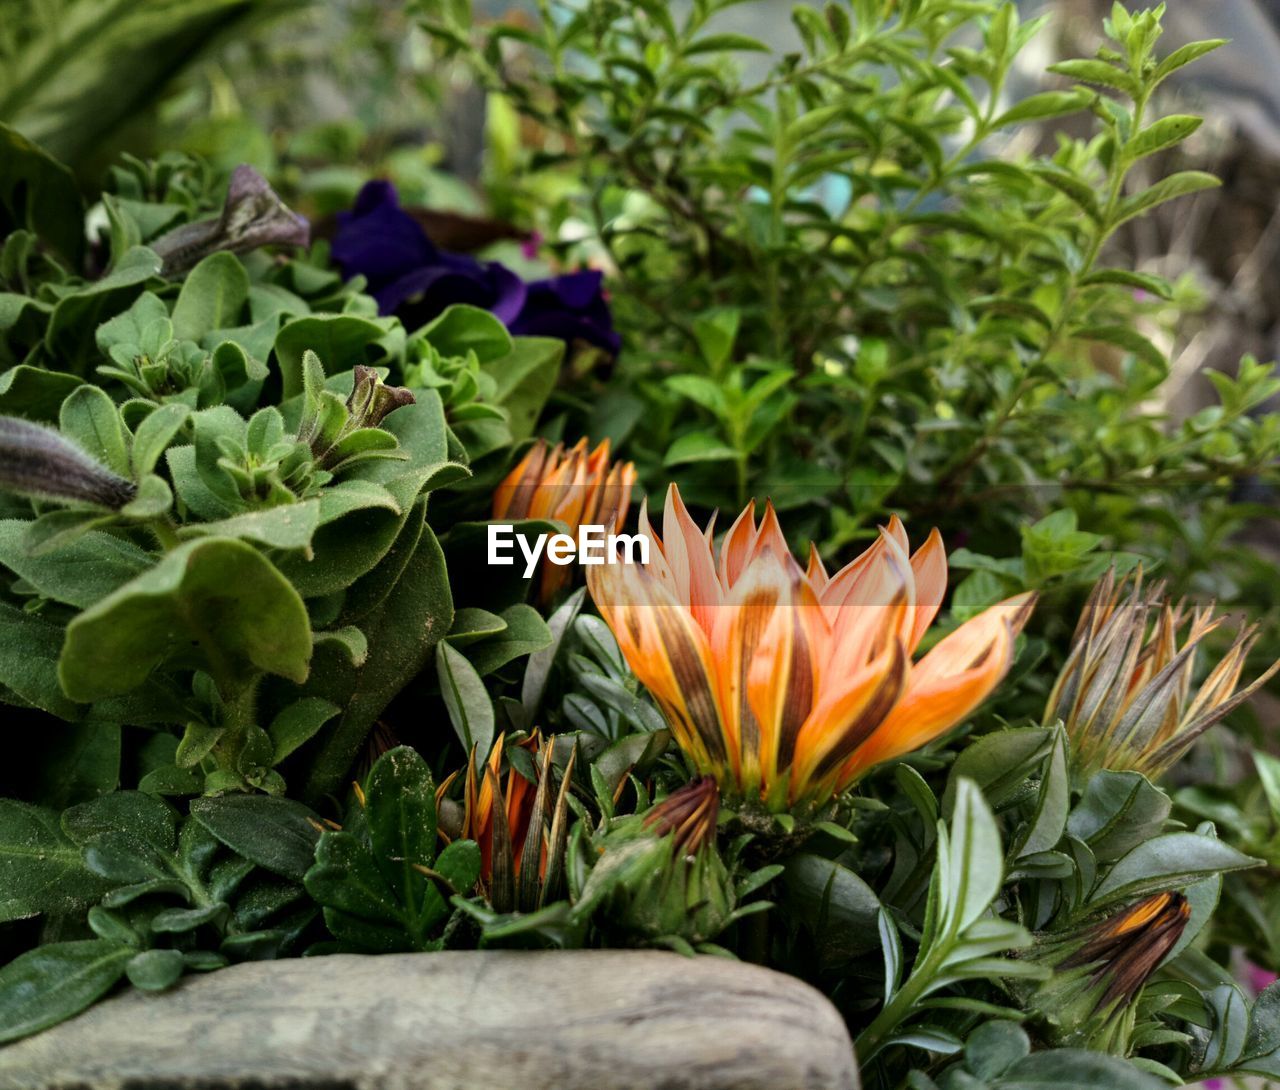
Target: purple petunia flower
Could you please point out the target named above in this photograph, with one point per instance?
(570, 307)
(411, 277)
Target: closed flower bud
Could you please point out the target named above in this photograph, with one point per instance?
(1126, 694)
(39, 462)
(1099, 971)
(660, 878)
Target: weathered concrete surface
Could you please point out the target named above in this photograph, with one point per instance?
(590, 1020)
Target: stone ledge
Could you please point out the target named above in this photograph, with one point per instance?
(582, 1020)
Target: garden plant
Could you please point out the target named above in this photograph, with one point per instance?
(943, 687)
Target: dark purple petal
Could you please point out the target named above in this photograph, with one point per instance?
(570, 307)
(380, 241)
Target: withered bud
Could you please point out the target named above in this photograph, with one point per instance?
(1129, 946)
(252, 216)
(39, 462)
(371, 399)
(690, 813)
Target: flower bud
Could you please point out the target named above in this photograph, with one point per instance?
(252, 216)
(39, 462)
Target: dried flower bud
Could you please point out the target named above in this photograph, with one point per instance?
(252, 216)
(39, 462)
(371, 399)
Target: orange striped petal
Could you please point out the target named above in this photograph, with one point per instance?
(946, 685)
(670, 654)
(735, 550)
(690, 559)
(929, 566)
(782, 673)
(851, 708)
(512, 497)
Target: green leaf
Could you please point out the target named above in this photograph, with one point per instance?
(834, 903)
(277, 834)
(1118, 811)
(34, 394)
(90, 418)
(1167, 862)
(340, 340)
(288, 526)
(154, 435)
(39, 194)
(298, 723)
(973, 862)
(1045, 105)
(466, 699)
(727, 42)
(1000, 764)
(29, 649)
(1161, 134)
(523, 380)
(400, 811)
(213, 296)
(1184, 55)
(460, 329)
(214, 603)
(41, 871)
(402, 633)
(698, 447)
(1099, 72)
(79, 573)
(1075, 1069)
(155, 970)
(69, 336)
(994, 1047)
(1167, 189)
(1052, 802)
(49, 984)
(1155, 285)
(524, 632)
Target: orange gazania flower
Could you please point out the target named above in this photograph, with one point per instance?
(787, 684)
(574, 487)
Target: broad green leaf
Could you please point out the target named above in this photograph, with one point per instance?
(69, 337)
(340, 340)
(154, 435)
(400, 812)
(277, 834)
(524, 379)
(215, 603)
(79, 573)
(1118, 811)
(1161, 134)
(90, 418)
(298, 723)
(34, 394)
(698, 446)
(39, 194)
(213, 296)
(402, 633)
(1167, 862)
(49, 984)
(460, 329)
(288, 526)
(41, 870)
